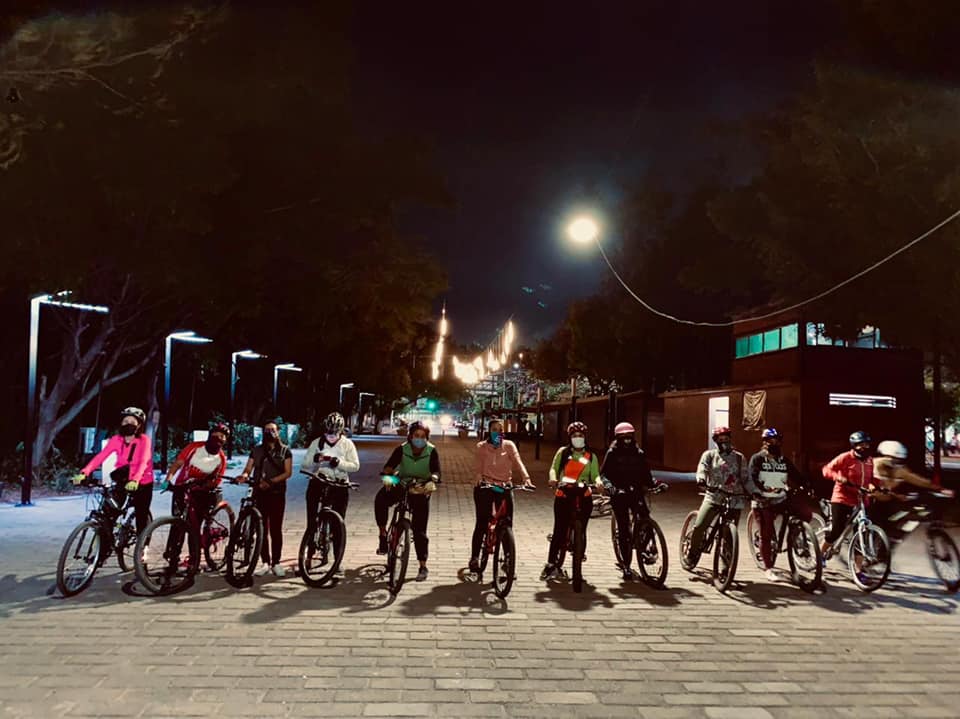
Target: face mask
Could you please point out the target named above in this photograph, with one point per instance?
(860, 453)
(332, 438)
(725, 447)
(578, 442)
(128, 430)
(625, 441)
(214, 445)
(495, 438)
(270, 436)
(774, 449)
(418, 442)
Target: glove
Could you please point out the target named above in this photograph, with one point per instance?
(389, 480)
(132, 486)
(430, 487)
(78, 479)
(334, 462)
(165, 485)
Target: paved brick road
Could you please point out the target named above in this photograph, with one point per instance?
(448, 647)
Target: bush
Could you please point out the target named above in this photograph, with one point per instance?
(54, 471)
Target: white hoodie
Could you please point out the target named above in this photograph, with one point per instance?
(344, 450)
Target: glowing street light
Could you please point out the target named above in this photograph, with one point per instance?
(242, 354)
(287, 367)
(185, 336)
(583, 230)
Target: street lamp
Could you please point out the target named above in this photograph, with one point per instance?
(289, 367)
(360, 408)
(183, 336)
(583, 230)
(56, 299)
(345, 385)
(242, 354)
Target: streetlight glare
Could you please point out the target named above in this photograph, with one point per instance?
(583, 230)
(189, 336)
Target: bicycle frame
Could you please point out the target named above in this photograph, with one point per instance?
(499, 513)
(729, 513)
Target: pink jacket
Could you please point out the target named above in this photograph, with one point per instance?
(858, 472)
(498, 463)
(141, 463)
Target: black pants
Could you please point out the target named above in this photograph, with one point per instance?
(624, 505)
(272, 506)
(562, 507)
(337, 499)
(419, 512)
(841, 515)
(483, 502)
(140, 500)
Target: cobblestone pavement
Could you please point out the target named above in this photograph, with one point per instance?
(449, 647)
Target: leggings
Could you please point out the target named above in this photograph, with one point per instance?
(483, 502)
(841, 515)
(419, 512)
(561, 520)
(140, 499)
(271, 506)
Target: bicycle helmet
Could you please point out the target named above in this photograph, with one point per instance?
(414, 426)
(136, 413)
(576, 427)
(890, 448)
(770, 434)
(719, 432)
(624, 428)
(859, 437)
(221, 427)
(334, 423)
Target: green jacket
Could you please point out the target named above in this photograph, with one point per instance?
(591, 468)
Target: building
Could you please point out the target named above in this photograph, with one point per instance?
(787, 374)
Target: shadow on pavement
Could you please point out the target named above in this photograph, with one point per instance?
(466, 595)
(665, 596)
(560, 592)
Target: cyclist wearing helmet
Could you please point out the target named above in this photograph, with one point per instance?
(720, 470)
(850, 471)
(202, 464)
(780, 487)
(416, 458)
(134, 470)
(625, 467)
(891, 473)
(271, 463)
(334, 455)
(571, 464)
(496, 459)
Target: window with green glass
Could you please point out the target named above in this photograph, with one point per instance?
(789, 336)
(743, 347)
(771, 340)
(756, 344)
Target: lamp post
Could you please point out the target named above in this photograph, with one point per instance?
(288, 367)
(242, 354)
(345, 385)
(56, 299)
(360, 407)
(184, 336)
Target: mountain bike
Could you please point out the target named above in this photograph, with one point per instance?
(868, 553)
(321, 550)
(802, 547)
(723, 531)
(246, 539)
(941, 549)
(498, 541)
(576, 540)
(110, 527)
(646, 537)
(168, 551)
(399, 534)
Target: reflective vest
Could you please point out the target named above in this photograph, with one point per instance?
(415, 465)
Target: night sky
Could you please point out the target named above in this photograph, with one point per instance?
(547, 107)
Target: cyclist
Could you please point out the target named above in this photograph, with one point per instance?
(416, 458)
(202, 464)
(496, 459)
(891, 473)
(134, 469)
(625, 467)
(722, 468)
(849, 471)
(272, 465)
(578, 462)
(335, 455)
(782, 488)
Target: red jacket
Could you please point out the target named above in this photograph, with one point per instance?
(858, 472)
(188, 472)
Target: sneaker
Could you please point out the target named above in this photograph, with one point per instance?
(263, 570)
(628, 575)
(475, 566)
(422, 574)
(279, 570)
(382, 547)
(548, 572)
(771, 576)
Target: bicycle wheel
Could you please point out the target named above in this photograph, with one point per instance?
(243, 549)
(614, 537)
(944, 557)
(167, 556)
(651, 549)
(126, 542)
(398, 555)
(322, 549)
(803, 554)
(215, 535)
(869, 557)
(725, 556)
(578, 550)
(685, 533)
(79, 558)
(504, 562)
(753, 538)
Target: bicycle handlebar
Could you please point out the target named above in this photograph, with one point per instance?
(319, 476)
(509, 486)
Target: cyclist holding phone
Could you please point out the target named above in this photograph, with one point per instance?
(334, 455)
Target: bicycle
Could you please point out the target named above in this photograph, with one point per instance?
(576, 539)
(723, 531)
(246, 539)
(941, 549)
(110, 527)
(175, 571)
(399, 532)
(868, 553)
(802, 547)
(328, 539)
(646, 537)
(499, 541)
